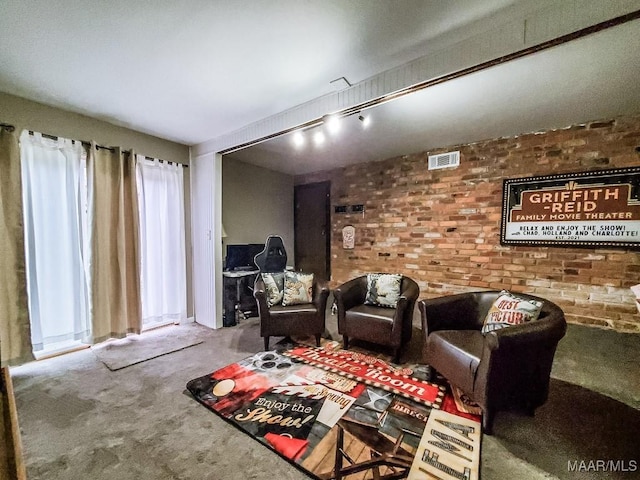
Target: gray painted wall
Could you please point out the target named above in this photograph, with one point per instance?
(256, 203)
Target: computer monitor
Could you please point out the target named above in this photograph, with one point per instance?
(240, 257)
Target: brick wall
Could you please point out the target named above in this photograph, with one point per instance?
(442, 227)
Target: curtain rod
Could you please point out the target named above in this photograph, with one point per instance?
(111, 149)
(11, 128)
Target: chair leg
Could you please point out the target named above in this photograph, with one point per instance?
(396, 356)
(266, 343)
(487, 421)
(317, 339)
(529, 410)
(345, 341)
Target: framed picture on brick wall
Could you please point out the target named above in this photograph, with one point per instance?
(585, 209)
(348, 237)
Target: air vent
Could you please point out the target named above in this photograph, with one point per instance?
(444, 160)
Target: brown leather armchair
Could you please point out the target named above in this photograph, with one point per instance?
(503, 369)
(385, 326)
(303, 319)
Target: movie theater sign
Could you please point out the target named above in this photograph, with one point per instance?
(588, 209)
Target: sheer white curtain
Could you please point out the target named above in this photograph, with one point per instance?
(162, 242)
(55, 223)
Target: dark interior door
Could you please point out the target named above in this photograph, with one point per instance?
(311, 224)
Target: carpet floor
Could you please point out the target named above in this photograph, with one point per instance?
(80, 420)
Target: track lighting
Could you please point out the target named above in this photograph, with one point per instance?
(298, 139)
(332, 123)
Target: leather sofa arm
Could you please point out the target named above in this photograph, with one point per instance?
(398, 317)
(547, 331)
(408, 296)
(519, 357)
(260, 295)
(350, 294)
(320, 295)
(411, 291)
(403, 303)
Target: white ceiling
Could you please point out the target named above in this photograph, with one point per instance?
(596, 77)
(190, 71)
(193, 70)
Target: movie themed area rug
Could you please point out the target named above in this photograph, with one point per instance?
(339, 411)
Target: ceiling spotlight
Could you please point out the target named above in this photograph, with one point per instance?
(333, 123)
(318, 138)
(365, 120)
(298, 139)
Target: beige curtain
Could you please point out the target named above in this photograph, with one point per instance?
(115, 258)
(15, 332)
